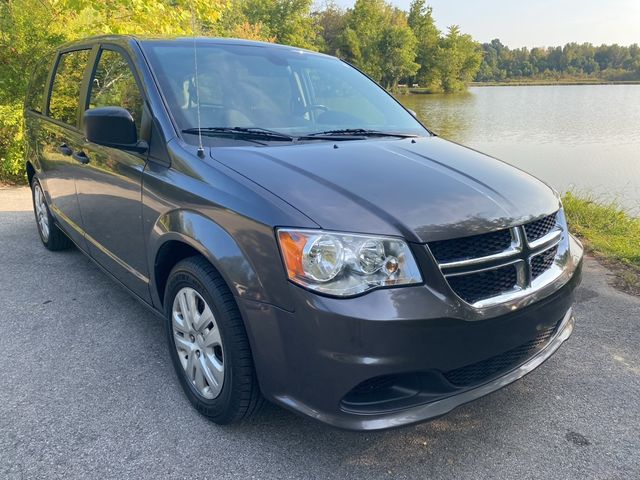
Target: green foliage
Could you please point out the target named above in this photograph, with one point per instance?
(573, 61)
(11, 135)
(378, 40)
(30, 28)
(459, 60)
(397, 53)
(421, 21)
(606, 229)
(330, 22)
(393, 46)
(285, 21)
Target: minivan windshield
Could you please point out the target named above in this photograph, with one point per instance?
(282, 90)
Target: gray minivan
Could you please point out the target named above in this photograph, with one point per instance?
(305, 238)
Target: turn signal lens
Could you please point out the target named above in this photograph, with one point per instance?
(344, 264)
(292, 244)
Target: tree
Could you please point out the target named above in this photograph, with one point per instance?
(459, 59)
(286, 21)
(31, 28)
(572, 61)
(331, 22)
(397, 51)
(422, 24)
(378, 40)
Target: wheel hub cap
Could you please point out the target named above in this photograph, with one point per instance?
(198, 342)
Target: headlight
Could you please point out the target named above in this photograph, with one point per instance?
(345, 264)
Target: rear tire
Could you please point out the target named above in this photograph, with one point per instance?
(208, 343)
(52, 237)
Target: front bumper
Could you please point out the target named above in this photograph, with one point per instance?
(316, 359)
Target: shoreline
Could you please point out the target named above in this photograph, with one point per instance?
(541, 83)
(518, 83)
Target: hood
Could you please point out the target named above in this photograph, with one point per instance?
(424, 191)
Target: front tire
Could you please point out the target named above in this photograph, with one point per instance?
(52, 237)
(208, 343)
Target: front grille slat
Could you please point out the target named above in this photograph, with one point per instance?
(542, 262)
(488, 283)
(476, 246)
(481, 267)
(486, 369)
(539, 228)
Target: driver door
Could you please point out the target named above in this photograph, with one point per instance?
(110, 184)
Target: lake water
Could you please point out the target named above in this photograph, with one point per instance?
(584, 138)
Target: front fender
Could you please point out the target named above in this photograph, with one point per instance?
(245, 279)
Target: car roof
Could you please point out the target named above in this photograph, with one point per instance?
(142, 39)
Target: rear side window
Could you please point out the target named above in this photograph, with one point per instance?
(35, 97)
(114, 85)
(65, 93)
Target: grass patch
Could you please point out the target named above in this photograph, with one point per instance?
(609, 233)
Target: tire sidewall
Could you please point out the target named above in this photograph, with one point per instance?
(185, 276)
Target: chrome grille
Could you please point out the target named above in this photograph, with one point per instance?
(540, 228)
(446, 251)
(475, 286)
(542, 262)
(490, 268)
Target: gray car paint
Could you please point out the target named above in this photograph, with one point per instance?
(309, 349)
(423, 190)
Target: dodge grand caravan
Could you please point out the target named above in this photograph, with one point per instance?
(305, 238)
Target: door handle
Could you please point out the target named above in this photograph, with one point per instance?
(64, 149)
(80, 157)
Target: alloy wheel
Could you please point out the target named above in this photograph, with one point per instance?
(198, 342)
(42, 215)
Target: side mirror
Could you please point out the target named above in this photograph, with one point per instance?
(112, 127)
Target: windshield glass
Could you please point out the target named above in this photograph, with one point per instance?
(280, 89)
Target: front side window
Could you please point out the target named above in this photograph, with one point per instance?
(285, 90)
(114, 85)
(67, 82)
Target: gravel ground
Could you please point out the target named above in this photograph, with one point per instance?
(87, 390)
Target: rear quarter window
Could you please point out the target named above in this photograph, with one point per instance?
(36, 93)
(65, 93)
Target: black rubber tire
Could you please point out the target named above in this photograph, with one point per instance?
(57, 239)
(240, 396)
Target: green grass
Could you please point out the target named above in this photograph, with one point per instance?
(609, 233)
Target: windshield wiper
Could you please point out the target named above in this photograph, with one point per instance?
(357, 132)
(254, 132)
(266, 134)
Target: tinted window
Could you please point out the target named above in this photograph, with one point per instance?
(288, 90)
(65, 93)
(35, 96)
(114, 85)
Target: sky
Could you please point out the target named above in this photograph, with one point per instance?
(538, 23)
